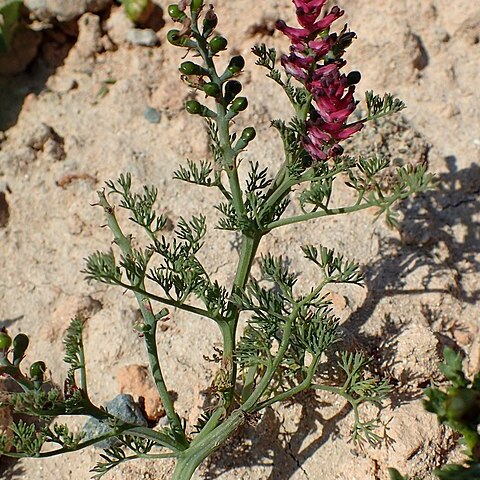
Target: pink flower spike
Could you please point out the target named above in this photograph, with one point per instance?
(349, 130)
(296, 35)
(325, 22)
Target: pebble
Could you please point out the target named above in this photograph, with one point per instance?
(143, 37)
(63, 10)
(152, 115)
(123, 407)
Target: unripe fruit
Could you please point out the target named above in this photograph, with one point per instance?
(175, 12)
(196, 5)
(193, 107)
(20, 345)
(248, 134)
(211, 89)
(236, 64)
(137, 10)
(209, 23)
(190, 68)
(37, 370)
(239, 104)
(218, 43)
(5, 341)
(175, 39)
(232, 89)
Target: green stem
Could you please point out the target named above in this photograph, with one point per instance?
(247, 255)
(147, 312)
(309, 216)
(249, 405)
(304, 385)
(190, 459)
(173, 418)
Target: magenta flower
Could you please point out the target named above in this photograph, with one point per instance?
(315, 61)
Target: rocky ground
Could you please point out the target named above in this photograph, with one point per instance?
(90, 96)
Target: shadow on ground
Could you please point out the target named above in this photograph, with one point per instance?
(429, 221)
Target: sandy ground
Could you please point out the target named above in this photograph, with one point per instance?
(76, 118)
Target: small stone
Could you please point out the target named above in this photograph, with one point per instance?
(136, 380)
(122, 407)
(62, 84)
(152, 115)
(143, 37)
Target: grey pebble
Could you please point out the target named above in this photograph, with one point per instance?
(144, 37)
(123, 407)
(152, 115)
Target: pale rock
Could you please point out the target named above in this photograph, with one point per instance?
(136, 380)
(64, 10)
(89, 40)
(144, 37)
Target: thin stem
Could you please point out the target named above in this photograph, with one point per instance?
(171, 303)
(271, 369)
(309, 216)
(304, 385)
(173, 418)
(150, 335)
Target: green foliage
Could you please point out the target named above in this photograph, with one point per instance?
(291, 340)
(9, 15)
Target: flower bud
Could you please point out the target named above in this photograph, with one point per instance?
(353, 77)
(175, 13)
(209, 22)
(239, 104)
(236, 64)
(190, 68)
(218, 43)
(232, 89)
(211, 89)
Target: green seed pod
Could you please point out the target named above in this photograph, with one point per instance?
(175, 39)
(137, 10)
(175, 13)
(190, 68)
(218, 43)
(193, 107)
(236, 64)
(239, 104)
(20, 345)
(248, 134)
(211, 89)
(232, 89)
(196, 5)
(5, 341)
(37, 370)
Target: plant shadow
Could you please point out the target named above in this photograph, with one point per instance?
(429, 222)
